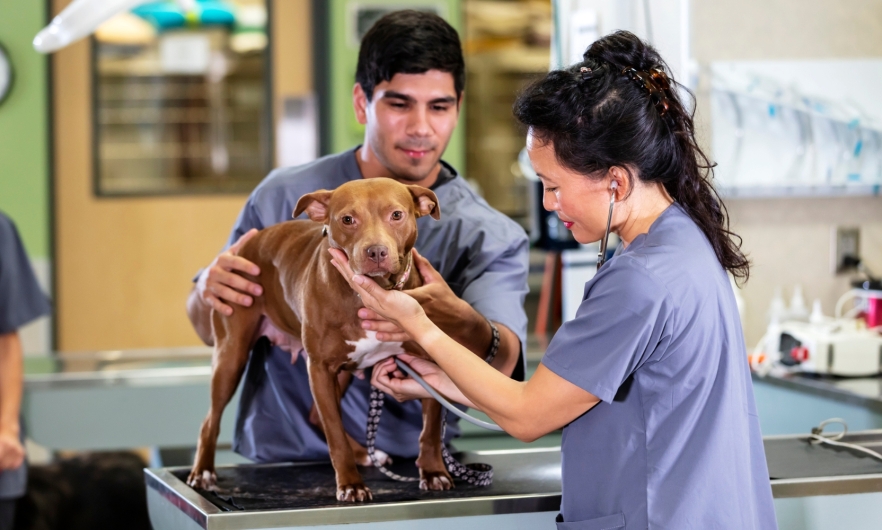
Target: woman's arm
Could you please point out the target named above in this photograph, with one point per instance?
(526, 410)
(388, 378)
(11, 374)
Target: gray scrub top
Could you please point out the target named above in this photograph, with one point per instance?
(21, 301)
(481, 253)
(675, 442)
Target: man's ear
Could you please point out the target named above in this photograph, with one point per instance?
(315, 204)
(425, 201)
(360, 103)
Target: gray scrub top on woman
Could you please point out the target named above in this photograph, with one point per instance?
(675, 442)
(21, 301)
(481, 253)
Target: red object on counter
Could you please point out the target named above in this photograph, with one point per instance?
(874, 311)
(799, 353)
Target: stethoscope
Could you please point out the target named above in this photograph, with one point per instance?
(601, 257)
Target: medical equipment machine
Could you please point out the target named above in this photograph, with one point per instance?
(838, 347)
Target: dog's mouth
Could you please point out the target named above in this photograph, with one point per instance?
(378, 271)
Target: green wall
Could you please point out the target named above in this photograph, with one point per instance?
(345, 130)
(24, 153)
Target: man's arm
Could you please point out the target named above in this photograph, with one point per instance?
(219, 285)
(455, 316)
(11, 375)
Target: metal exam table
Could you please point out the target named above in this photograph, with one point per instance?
(525, 493)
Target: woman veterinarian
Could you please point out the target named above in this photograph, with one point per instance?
(650, 381)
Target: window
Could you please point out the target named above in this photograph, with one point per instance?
(182, 102)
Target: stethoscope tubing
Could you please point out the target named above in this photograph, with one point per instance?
(601, 256)
(441, 399)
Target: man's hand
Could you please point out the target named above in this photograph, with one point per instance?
(12, 453)
(439, 302)
(219, 285)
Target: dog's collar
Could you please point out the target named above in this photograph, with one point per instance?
(404, 277)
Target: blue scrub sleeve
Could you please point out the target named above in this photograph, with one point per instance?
(622, 323)
(21, 299)
(499, 292)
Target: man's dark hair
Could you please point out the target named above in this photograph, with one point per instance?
(409, 42)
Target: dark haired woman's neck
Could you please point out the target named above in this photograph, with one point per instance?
(645, 204)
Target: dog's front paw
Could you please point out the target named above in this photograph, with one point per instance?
(435, 480)
(354, 493)
(202, 479)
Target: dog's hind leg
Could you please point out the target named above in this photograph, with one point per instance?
(433, 472)
(232, 340)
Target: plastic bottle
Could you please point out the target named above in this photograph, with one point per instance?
(797, 310)
(777, 308)
(817, 316)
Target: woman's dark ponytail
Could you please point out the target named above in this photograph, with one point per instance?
(621, 107)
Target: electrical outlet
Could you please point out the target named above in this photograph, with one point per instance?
(846, 244)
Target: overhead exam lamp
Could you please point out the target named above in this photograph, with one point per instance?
(82, 17)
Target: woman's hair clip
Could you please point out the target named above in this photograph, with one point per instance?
(656, 83)
(586, 73)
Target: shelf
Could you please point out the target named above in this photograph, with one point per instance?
(826, 190)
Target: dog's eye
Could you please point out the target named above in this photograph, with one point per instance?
(396, 215)
(347, 219)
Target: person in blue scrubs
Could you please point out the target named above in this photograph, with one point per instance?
(21, 301)
(409, 84)
(650, 380)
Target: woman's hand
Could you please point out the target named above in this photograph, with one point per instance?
(388, 378)
(12, 453)
(394, 306)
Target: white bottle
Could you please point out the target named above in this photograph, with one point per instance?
(797, 310)
(817, 316)
(777, 308)
(772, 341)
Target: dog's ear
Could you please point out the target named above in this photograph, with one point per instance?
(425, 201)
(315, 204)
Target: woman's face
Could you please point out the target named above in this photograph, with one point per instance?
(582, 203)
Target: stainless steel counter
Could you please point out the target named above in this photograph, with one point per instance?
(120, 399)
(864, 392)
(526, 491)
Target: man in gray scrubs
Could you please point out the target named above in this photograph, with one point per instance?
(21, 301)
(408, 92)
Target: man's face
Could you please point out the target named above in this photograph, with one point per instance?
(409, 121)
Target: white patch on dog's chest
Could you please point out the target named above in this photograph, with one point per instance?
(369, 351)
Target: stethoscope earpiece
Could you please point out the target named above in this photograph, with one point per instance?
(601, 256)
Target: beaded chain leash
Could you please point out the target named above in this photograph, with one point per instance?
(475, 474)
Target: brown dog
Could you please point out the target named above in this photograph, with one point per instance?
(307, 301)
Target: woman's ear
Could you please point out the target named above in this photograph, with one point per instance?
(619, 182)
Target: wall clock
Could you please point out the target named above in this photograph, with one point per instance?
(5, 74)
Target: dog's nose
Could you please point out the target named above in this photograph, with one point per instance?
(377, 253)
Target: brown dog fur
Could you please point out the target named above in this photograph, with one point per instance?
(306, 301)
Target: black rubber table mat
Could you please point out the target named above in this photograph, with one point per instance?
(289, 487)
(797, 458)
